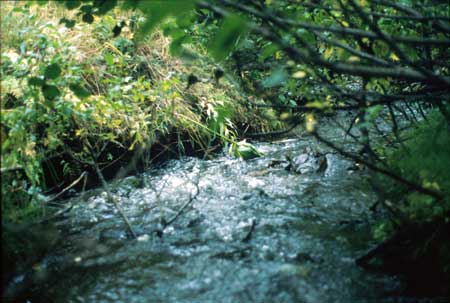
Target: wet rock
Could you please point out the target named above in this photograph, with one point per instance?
(302, 257)
(279, 163)
(235, 254)
(196, 221)
(309, 162)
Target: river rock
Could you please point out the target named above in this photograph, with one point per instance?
(307, 163)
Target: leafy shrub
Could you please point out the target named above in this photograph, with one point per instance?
(69, 87)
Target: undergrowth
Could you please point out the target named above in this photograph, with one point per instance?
(69, 90)
(418, 229)
(424, 157)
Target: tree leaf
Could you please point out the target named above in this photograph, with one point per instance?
(72, 4)
(104, 6)
(41, 2)
(157, 11)
(109, 59)
(245, 150)
(268, 51)
(225, 40)
(67, 22)
(52, 71)
(87, 9)
(79, 91)
(299, 74)
(35, 81)
(50, 92)
(88, 18)
(277, 78)
(176, 46)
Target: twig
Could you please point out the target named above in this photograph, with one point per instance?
(55, 215)
(392, 175)
(7, 169)
(248, 237)
(186, 204)
(111, 197)
(68, 187)
(273, 133)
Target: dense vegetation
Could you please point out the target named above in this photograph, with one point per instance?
(91, 88)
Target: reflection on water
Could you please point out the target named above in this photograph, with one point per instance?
(303, 232)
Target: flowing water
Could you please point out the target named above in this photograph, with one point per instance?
(262, 230)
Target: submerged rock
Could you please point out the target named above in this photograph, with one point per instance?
(308, 162)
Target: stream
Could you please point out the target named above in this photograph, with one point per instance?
(285, 227)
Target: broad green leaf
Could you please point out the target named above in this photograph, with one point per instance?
(158, 11)
(109, 59)
(52, 71)
(373, 112)
(35, 81)
(268, 51)
(245, 150)
(176, 46)
(79, 91)
(225, 40)
(72, 4)
(88, 18)
(50, 92)
(104, 6)
(277, 78)
(185, 20)
(87, 9)
(67, 22)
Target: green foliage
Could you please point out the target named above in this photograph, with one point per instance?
(424, 158)
(245, 150)
(158, 11)
(79, 91)
(277, 78)
(66, 86)
(52, 71)
(225, 40)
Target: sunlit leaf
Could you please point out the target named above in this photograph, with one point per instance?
(299, 74)
(318, 104)
(328, 53)
(353, 59)
(245, 150)
(394, 57)
(109, 58)
(310, 123)
(268, 51)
